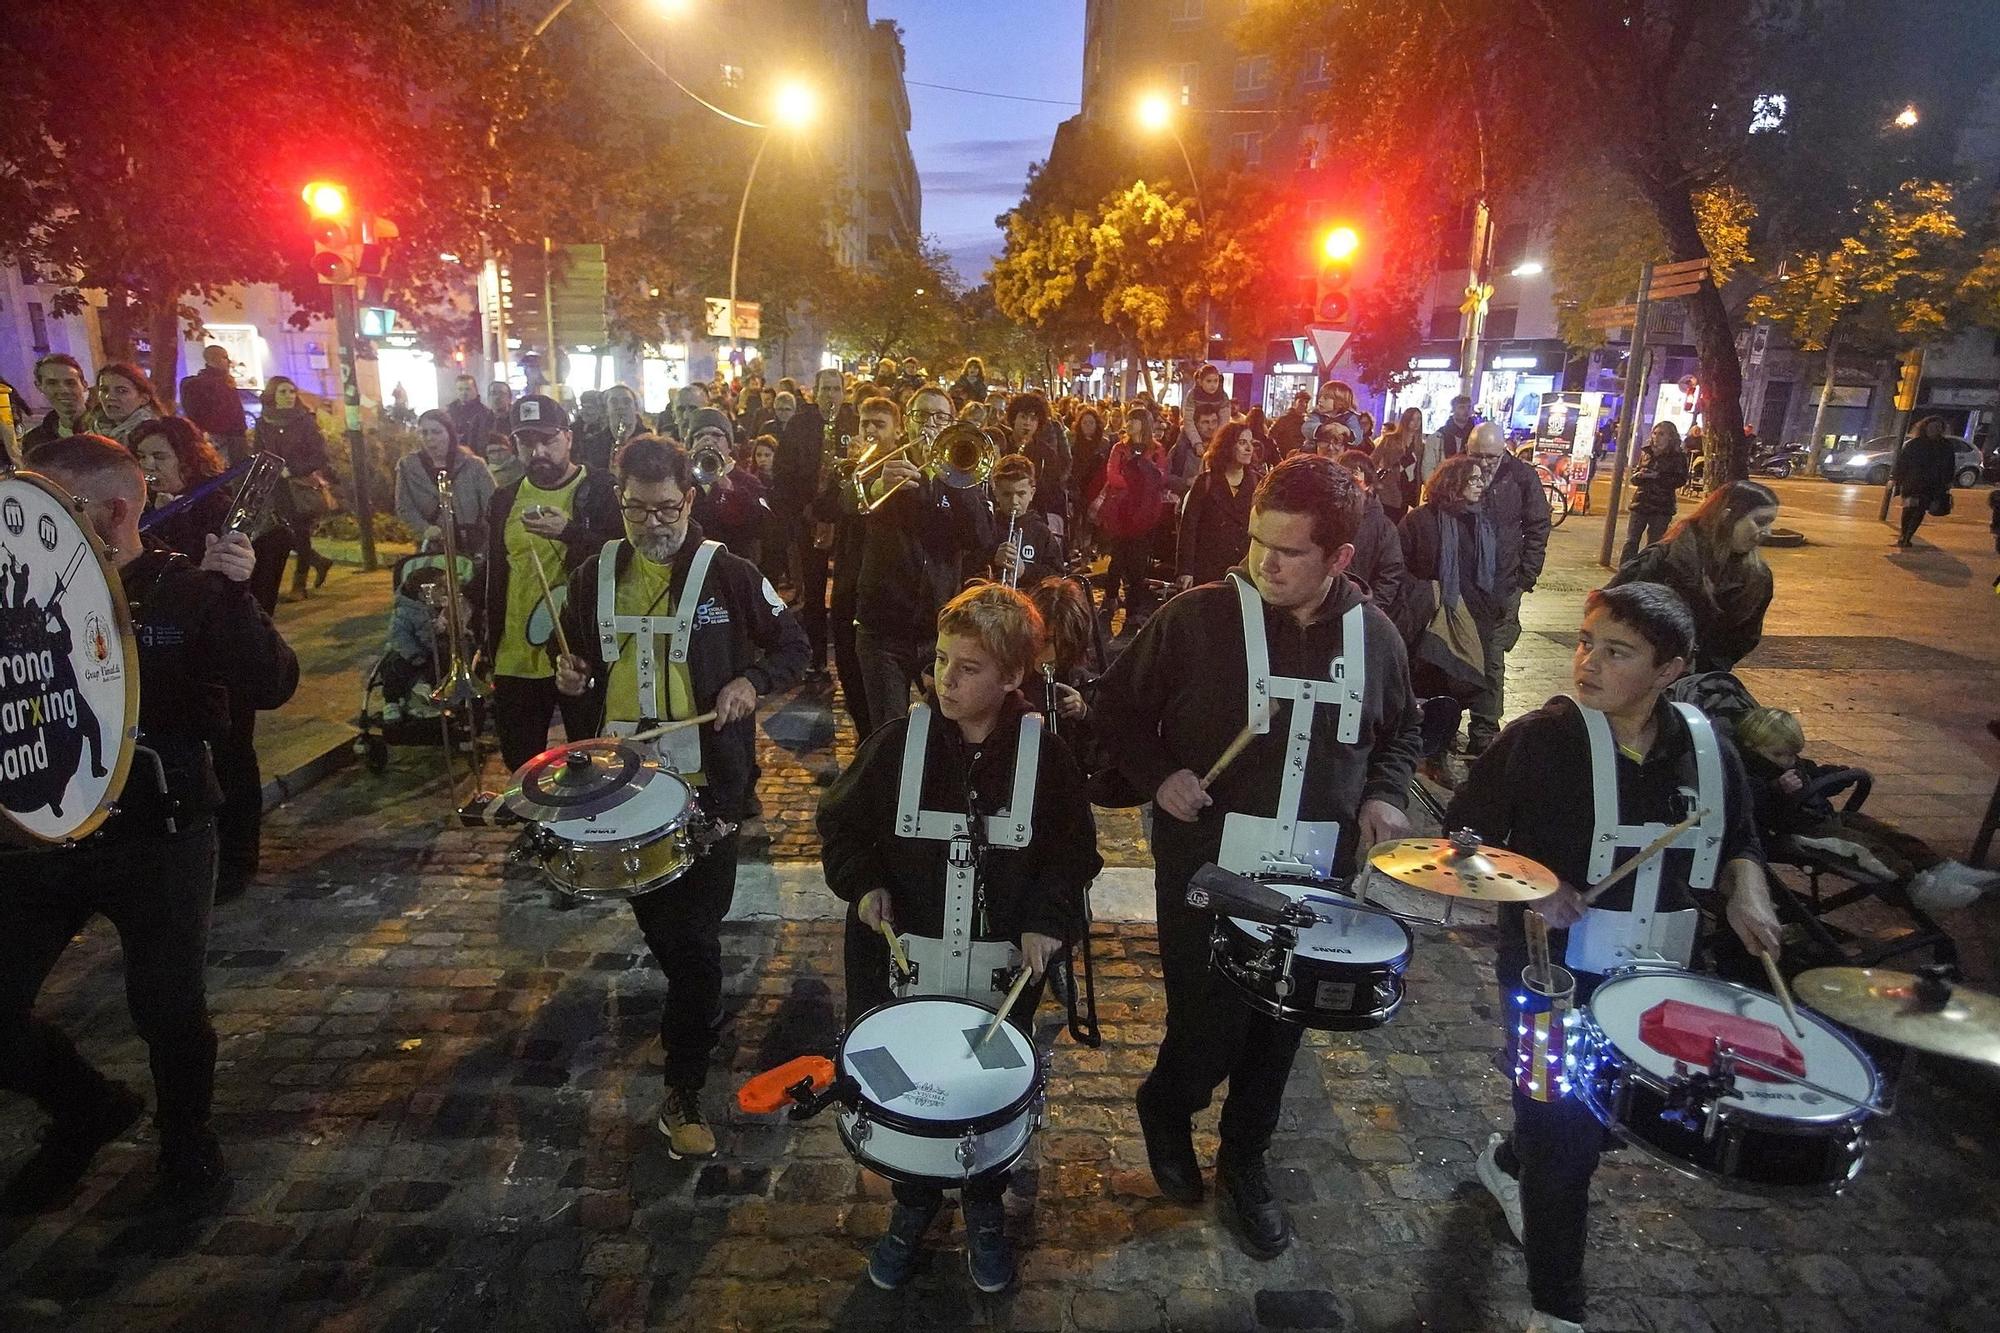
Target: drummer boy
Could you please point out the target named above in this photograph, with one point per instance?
(971, 899)
(1581, 785)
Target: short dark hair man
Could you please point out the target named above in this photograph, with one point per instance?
(1517, 507)
(59, 376)
(1452, 435)
(1544, 789)
(471, 420)
(741, 643)
(1165, 712)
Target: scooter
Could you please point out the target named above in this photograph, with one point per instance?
(1776, 460)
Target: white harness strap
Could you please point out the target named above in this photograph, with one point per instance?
(678, 624)
(1607, 938)
(956, 964)
(1252, 843)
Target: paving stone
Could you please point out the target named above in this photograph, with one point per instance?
(1303, 1309)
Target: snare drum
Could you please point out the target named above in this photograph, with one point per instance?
(1758, 1131)
(925, 1107)
(640, 845)
(1342, 973)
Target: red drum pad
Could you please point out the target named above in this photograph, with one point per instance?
(1688, 1032)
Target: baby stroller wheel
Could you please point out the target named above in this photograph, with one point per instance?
(374, 752)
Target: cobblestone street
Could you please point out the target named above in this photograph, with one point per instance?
(437, 1091)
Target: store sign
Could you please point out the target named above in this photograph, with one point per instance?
(1433, 363)
(1516, 362)
(1292, 368)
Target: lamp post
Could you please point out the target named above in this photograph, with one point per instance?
(1156, 113)
(793, 109)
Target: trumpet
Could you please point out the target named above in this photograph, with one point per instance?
(961, 457)
(707, 463)
(459, 691)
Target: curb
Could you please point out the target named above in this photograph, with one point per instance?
(283, 787)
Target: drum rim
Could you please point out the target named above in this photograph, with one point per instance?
(1855, 1115)
(857, 1149)
(903, 1123)
(621, 894)
(12, 831)
(1279, 1010)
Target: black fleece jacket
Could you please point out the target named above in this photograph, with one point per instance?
(1178, 696)
(1034, 888)
(742, 628)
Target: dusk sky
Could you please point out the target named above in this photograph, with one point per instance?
(973, 153)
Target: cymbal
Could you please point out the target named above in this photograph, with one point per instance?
(578, 780)
(1484, 874)
(1955, 1020)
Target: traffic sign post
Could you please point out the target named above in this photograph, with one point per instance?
(1635, 386)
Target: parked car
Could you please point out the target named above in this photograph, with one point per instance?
(1874, 461)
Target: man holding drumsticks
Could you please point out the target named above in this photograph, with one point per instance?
(1583, 785)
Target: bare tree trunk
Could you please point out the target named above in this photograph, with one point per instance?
(163, 330)
(115, 324)
(1714, 341)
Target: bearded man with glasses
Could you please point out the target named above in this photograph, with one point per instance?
(662, 626)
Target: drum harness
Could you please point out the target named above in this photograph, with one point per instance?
(959, 962)
(681, 749)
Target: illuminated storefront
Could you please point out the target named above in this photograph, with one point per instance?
(1433, 384)
(1514, 382)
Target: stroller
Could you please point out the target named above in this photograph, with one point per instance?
(1836, 874)
(396, 707)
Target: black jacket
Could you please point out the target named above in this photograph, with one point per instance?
(1178, 696)
(795, 471)
(913, 555)
(188, 530)
(293, 434)
(1039, 887)
(209, 399)
(595, 521)
(1378, 558)
(1041, 551)
(1657, 480)
(1924, 468)
(203, 643)
(1519, 510)
(1420, 539)
(1215, 526)
(1288, 432)
(742, 628)
(473, 423)
(1530, 791)
(1451, 438)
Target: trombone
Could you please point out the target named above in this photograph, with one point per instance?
(961, 457)
(460, 692)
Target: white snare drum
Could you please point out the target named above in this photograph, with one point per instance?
(1747, 1130)
(644, 843)
(1344, 973)
(925, 1107)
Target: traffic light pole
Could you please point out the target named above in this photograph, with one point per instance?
(1916, 382)
(1635, 388)
(346, 333)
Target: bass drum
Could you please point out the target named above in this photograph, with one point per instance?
(69, 669)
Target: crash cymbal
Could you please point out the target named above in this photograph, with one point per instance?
(1463, 868)
(579, 780)
(1917, 1011)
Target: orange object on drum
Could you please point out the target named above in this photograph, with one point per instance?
(770, 1090)
(1689, 1032)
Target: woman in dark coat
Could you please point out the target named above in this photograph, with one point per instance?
(1710, 558)
(179, 460)
(1451, 554)
(1657, 479)
(1924, 467)
(1215, 516)
(289, 429)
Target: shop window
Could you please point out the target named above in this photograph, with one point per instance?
(1444, 321)
(29, 277)
(1501, 321)
(38, 327)
(1314, 70)
(1248, 147)
(1253, 77)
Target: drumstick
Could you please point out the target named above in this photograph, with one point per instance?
(1639, 858)
(1020, 984)
(902, 960)
(1538, 948)
(555, 616)
(1228, 756)
(1782, 991)
(652, 733)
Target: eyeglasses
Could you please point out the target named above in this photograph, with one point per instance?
(933, 418)
(643, 514)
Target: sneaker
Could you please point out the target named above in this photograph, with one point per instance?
(989, 1255)
(1548, 1323)
(895, 1255)
(192, 1177)
(392, 713)
(688, 1135)
(1261, 1222)
(1506, 1190)
(46, 1179)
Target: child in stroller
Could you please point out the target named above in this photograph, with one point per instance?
(417, 649)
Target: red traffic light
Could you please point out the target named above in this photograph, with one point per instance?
(1340, 244)
(324, 199)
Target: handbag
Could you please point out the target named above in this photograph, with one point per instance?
(1940, 505)
(311, 496)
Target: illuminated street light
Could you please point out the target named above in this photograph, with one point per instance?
(1907, 118)
(1341, 243)
(1527, 268)
(1155, 112)
(796, 106)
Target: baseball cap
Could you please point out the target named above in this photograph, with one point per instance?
(537, 412)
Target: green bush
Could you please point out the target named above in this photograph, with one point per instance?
(387, 443)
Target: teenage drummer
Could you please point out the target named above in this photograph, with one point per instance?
(899, 848)
(1580, 785)
(665, 625)
(1291, 646)
(150, 868)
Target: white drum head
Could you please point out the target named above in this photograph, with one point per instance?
(912, 1057)
(69, 672)
(1618, 1005)
(1353, 936)
(661, 805)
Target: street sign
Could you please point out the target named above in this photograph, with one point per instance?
(377, 321)
(1611, 316)
(1672, 291)
(749, 318)
(1685, 271)
(1329, 343)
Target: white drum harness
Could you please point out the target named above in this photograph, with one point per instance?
(1283, 843)
(680, 749)
(1607, 939)
(957, 963)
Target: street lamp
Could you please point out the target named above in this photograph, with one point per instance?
(1907, 118)
(793, 108)
(1527, 268)
(1156, 113)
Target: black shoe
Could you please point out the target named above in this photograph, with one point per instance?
(1260, 1221)
(1170, 1152)
(321, 565)
(46, 1179)
(1475, 745)
(192, 1177)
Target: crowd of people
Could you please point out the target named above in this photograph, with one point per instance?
(1032, 606)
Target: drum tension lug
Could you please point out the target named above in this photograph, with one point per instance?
(965, 1153)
